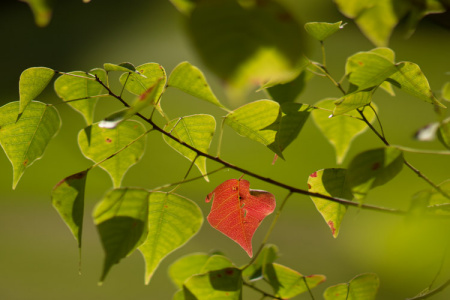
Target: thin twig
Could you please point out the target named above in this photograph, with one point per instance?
(265, 294)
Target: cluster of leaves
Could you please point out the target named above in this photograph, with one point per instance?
(153, 221)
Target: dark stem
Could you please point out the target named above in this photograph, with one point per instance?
(261, 291)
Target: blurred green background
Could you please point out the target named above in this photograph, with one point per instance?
(38, 255)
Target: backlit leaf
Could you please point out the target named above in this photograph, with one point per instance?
(191, 80)
(368, 70)
(149, 74)
(437, 202)
(352, 101)
(24, 140)
(218, 284)
(83, 90)
(321, 30)
(220, 31)
(237, 211)
(252, 119)
(389, 55)
(287, 283)
(172, 221)
(340, 130)
(148, 98)
(121, 220)
(410, 78)
(364, 286)
(186, 266)
(216, 262)
(196, 131)
(68, 200)
(267, 256)
(99, 144)
(373, 168)
(31, 83)
(330, 182)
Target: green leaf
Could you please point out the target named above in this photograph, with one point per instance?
(287, 283)
(435, 201)
(184, 6)
(330, 182)
(24, 140)
(352, 101)
(373, 168)
(186, 266)
(191, 80)
(368, 70)
(289, 125)
(267, 256)
(321, 30)
(340, 130)
(122, 67)
(167, 218)
(149, 75)
(196, 131)
(446, 91)
(420, 10)
(375, 18)
(220, 30)
(216, 262)
(410, 78)
(389, 55)
(148, 98)
(250, 120)
(364, 286)
(31, 83)
(443, 133)
(68, 200)
(218, 284)
(121, 220)
(42, 11)
(79, 87)
(117, 149)
(288, 92)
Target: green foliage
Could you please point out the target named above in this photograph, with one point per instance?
(249, 44)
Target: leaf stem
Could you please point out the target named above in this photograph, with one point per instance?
(185, 176)
(307, 286)
(324, 61)
(433, 292)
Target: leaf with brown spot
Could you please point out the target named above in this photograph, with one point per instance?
(237, 210)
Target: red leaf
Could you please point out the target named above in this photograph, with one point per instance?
(237, 211)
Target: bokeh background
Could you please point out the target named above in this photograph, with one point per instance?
(38, 255)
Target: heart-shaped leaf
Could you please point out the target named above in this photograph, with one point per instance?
(31, 83)
(321, 30)
(83, 89)
(68, 200)
(373, 168)
(197, 131)
(122, 67)
(237, 211)
(289, 91)
(330, 182)
(287, 283)
(368, 70)
(118, 149)
(24, 140)
(191, 80)
(340, 130)
(364, 286)
(121, 220)
(167, 218)
(389, 54)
